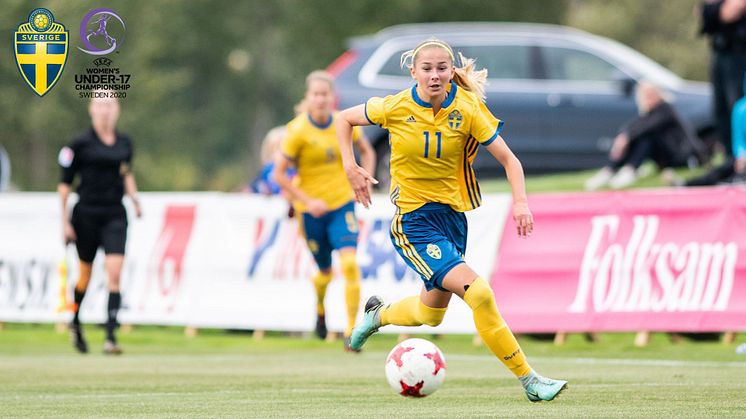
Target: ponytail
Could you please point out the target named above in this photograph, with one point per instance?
(300, 107)
(466, 76)
(470, 79)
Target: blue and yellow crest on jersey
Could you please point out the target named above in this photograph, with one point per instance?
(40, 47)
(433, 251)
(455, 119)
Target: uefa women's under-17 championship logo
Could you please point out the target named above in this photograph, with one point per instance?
(40, 46)
(101, 32)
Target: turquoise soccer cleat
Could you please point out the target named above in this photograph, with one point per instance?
(540, 388)
(369, 325)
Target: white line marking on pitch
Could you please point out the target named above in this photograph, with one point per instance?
(614, 361)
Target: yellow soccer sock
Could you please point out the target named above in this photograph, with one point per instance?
(411, 312)
(320, 282)
(351, 273)
(492, 328)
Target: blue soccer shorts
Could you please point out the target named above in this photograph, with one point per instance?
(334, 230)
(431, 240)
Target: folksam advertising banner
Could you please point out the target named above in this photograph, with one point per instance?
(213, 260)
(669, 260)
(661, 260)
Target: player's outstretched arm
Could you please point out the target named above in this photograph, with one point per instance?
(367, 154)
(521, 214)
(360, 179)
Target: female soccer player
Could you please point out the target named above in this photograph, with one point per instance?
(102, 158)
(435, 129)
(321, 193)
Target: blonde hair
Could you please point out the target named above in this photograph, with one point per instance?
(647, 86)
(271, 143)
(315, 75)
(465, 76)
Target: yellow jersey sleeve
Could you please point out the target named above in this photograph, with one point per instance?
(357, 133)
(484, 126)
(375, 111)
(292, 144)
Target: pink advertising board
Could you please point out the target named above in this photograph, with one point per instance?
(658, 260)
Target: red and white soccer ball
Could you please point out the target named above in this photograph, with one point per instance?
(415, 368)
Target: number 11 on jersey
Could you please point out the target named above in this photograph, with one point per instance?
(439, 137)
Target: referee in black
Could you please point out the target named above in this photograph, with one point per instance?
(101, 158)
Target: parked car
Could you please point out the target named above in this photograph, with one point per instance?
(563, 93)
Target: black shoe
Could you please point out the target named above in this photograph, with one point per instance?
(321, 326)
(77, 339)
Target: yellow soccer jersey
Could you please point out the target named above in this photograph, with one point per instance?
(432, 155)
(314, 150)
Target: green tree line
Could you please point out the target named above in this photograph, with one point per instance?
(209, 78)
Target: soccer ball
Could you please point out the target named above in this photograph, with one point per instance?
(41, 21)
(415, 368)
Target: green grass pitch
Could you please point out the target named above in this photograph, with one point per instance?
(217, 374)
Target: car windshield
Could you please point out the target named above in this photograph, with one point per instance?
(501, 61)
(605, 50)
(631, 59)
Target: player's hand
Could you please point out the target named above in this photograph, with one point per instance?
(619, 147)
(138, 209)
(317, 208)
(524, 221)
(732, 10)
(361, 182)
(68, 233)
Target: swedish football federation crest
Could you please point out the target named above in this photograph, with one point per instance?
(433, 251)
(455, 119)
(40, 47)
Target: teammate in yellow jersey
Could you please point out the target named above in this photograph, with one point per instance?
(435, 129)
(321, 194)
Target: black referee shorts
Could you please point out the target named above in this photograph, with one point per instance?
(99, 226)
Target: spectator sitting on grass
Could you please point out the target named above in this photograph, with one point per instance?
(658, 134)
